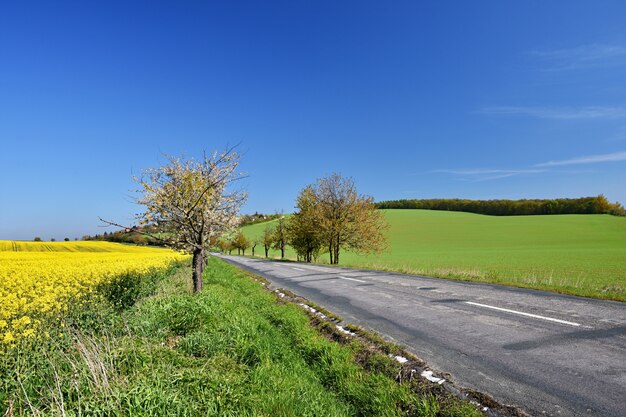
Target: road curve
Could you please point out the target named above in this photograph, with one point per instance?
(549, 354)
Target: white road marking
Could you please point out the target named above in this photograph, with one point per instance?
(350, 279)
(521, 313)
(298, 269)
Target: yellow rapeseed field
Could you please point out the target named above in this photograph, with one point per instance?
(38, 279)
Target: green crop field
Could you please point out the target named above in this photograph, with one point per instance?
(573, 254)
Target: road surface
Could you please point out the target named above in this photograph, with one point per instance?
(549, 354)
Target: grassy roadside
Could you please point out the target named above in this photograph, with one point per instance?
(234, 350)
(582, 255)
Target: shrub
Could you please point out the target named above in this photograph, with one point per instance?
(123, 291)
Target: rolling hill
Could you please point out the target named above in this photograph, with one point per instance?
(575, 254)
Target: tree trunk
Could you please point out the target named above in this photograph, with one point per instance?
(282, 252)
(197, 269)
(266, 251)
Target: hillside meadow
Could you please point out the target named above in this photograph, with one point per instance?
(573, 254)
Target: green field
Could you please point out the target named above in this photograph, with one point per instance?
(573, 254)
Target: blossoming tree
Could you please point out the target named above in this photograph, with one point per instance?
(190, 203)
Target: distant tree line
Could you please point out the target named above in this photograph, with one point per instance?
(331, 216)
(136, 235)
(141, 235)
(584, 205)
(38, 239)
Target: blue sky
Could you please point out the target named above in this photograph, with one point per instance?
(492, 99)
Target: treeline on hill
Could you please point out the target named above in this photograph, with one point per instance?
(134, 235)
(330, 216)
(584, 205)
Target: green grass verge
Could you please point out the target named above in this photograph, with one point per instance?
(233, 350)
(573, 254)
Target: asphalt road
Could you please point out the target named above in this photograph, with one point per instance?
(549, 354)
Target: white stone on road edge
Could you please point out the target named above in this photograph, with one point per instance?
(429, 376)
(479, 405)
(317, 313)
(314, 311)
(400, 359)
(344, 330)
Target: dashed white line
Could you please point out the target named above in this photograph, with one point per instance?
(350, 279)
(521, 313)
(298, 269)
(317, 269)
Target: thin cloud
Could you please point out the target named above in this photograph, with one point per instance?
(487, 174)
(592, 159)
(483, 174)
(488, 171)
(583, 56)
(563, 113)
(495, 177)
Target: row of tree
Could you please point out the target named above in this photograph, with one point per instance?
(330, 217)
(585, 205)
(190, 205)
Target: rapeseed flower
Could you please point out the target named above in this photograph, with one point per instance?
(40, 279)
